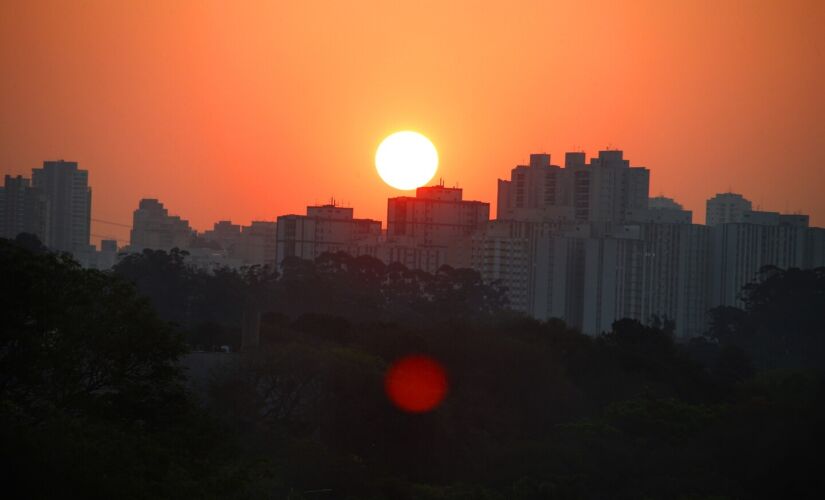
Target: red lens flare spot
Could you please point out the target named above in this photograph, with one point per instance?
(416, 383)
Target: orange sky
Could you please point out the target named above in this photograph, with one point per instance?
(248, 110)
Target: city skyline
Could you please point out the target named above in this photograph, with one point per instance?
(245, 112)
(119, 228)
(584, 242)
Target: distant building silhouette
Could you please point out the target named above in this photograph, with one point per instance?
(662, 210)
(755, 239)
(154, 228)
(726, 207)
(676, 280)
(107, 256)
(326, 228)
(582, 242)
(70, 206)
(433, 228)
(585, 243)
(23, 209)
(603, 190)
(258, 243)
(225, 234)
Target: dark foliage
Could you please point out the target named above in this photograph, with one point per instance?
(91, 399)
(534, 409)
(782, 324)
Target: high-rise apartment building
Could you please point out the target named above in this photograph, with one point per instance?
(224, 233)
(725, 208)
(154, 228)
(258, 243)
(814, 248)
(433, 228)
(326, 228)
(23, 209)
(676, 275)
(611, 287)
(604, 190)
(587, 274)
(502, 253)
(740, 250)
(70, 205)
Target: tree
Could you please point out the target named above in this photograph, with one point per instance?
(91, 395)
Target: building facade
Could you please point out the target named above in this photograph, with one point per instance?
(69, 208)
(726, 208)
(604, 190)
(432, 229)
(326, 228)
(23, 209)
(154, 228)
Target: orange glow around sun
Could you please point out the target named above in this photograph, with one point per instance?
(249, 110)
(416, 383)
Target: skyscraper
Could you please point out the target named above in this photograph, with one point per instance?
(70, 205)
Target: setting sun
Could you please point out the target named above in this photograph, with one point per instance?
(406, 160)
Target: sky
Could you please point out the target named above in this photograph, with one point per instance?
(248, 110)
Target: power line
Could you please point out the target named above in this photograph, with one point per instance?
(112, 223)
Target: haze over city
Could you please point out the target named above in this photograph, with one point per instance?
(254, 109)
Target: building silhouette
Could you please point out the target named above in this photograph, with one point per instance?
(326, 228)
(154, 228)
(603, 190)
(583, 242)
(586, 243)
(70, 206)
(433, 228)
(23, 209)
(741, 249)
(258, 243)
(726, 207)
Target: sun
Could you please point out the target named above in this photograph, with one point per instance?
(406, 160)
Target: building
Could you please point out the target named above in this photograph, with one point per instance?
(604, 190)
(433, 228)
(740, 250)
(258, 244)
(154, 228)
(106, 257)
(536, 191)
(611, 287)
(774, 219)
(224, 233)
(726, 208)
(676, 275)
(23, 209)
(501, 253)
(660, 210)
(326, 228)
(814, 248)
(584, 273)
(69, 206)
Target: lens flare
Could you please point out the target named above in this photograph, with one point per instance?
(416, 383)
